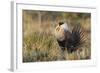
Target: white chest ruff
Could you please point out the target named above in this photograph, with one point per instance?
(61, 31)
(60, 34)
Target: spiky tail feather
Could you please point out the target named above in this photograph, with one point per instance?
(76, 39)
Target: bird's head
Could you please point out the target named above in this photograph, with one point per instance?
(61, 23)
(64, 26)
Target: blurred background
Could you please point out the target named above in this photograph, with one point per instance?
(39, 42)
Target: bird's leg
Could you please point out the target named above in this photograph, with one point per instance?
(63, 53)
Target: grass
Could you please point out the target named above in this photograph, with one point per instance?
(39, 47)
(44, 47)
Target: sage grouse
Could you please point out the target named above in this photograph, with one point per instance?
(69, 39)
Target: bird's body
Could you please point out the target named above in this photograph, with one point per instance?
(70, 40)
